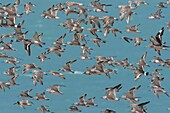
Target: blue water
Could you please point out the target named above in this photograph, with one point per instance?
(79, 84)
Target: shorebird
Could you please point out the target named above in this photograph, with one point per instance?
(156, 15)
(90, 102)
(55, 73)
(137, 40)
(3, 85)
(81, 20)
(13, 8)
(133, 29)
(93, 31)
(59, 41)
(104, 59)
(81, 101)
(11, 71)
(27, 67)
(108, 111)
(82, 10)
(25, 94)
(158, 48)
(11, 18)
(38, 76)
(42, 57)
(94, 20)
(24, 103)
(158, 60)
(139, 108)
(20, 36)
(106, 31)
(85, 49)
(9, 22)
(108, 20)
(12, 81)
(132, 67)
(3, 36)
(27, 7)
(107, 71)
(3, 55)
(123, 63)
(127, 39)
(157, 90)
(67, 66)
(101, 58)
(37, 39)
(70, 11)
(97, 40)
(111, 93)
(98, 7)
(85, 57)
(130, 95)
(94, 70)
(156, 80)
(60, 7)
(13, 61)
(55, 89)
(125, 10)
(29, 42)
(56, 50)
(51, 13)
(70, 3)
(77, 28)
(129, 12)
(43, 109)
(166, 63)
(161, 5)
(74, 42)
(41, 96)
(74, 109)
(80, 37)
(139, 72)
(142, 61)
(138, 3)
(7, 46)
(157, 42)
(156, 72)
(99, 66)
(113, 30)
(18, 28)
(27, 45)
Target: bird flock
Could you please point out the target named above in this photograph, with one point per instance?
(88, 33)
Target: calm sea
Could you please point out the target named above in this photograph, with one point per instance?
(79, 84)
